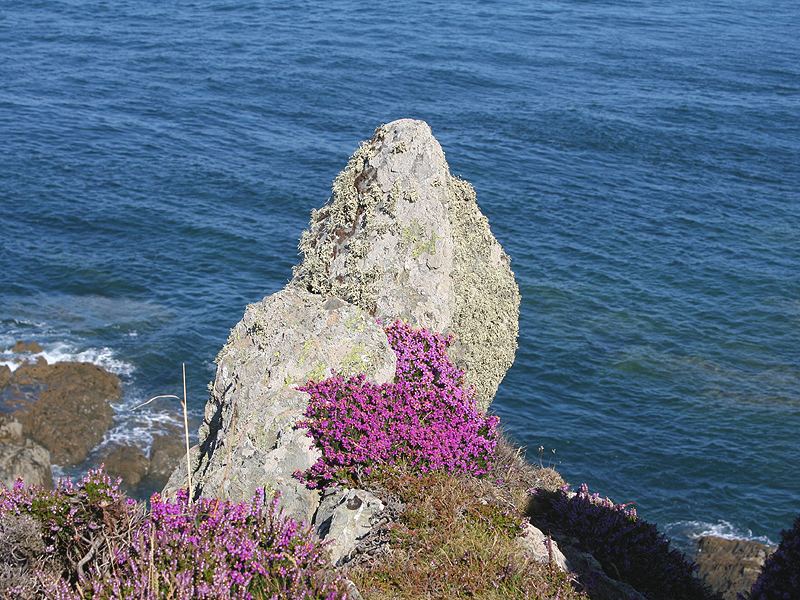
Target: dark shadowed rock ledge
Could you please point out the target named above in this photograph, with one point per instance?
(730, 566)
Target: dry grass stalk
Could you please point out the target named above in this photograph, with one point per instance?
(183, 402)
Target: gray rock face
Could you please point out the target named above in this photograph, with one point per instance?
(402, 238)
(22, 457)
(343, 518)
(541, 549)
(249, 437)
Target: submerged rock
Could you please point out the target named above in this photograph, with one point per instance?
(21, 457)
(404, 239)
(730, 567)
(127, 462)
(64, 406)
(26, 347)
(249, 438)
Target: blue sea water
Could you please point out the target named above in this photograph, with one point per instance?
(639, 161)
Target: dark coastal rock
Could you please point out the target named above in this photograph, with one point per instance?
(127, 462)
(167, 453)
(5, 376)
(402, 238)
(22, 347)
(21, 457)
(63, 406)
(141, 474)
(728, 566)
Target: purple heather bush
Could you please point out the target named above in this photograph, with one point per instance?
(221, 550)
(780, 576)
(73, 527)
(207, 549)
(628, 548)
(426, 419)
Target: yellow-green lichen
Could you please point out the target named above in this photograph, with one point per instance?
(356, 322)
(341, 228)
(355, 361)
(415, 237)
(400, 148)
(486, 316)
(318, 372)
(305, 351)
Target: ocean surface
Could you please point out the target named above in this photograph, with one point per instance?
(639, 163)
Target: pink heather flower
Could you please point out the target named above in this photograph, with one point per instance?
(426, 417)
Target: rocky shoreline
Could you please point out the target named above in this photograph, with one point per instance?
(57, 414)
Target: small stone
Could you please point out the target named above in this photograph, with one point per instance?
(345, 518)
(541, 549)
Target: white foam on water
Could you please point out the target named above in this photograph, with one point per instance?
(138, 430)
(693, 530)
(65, 352)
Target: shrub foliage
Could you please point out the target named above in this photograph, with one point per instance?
(628, 548)
(426, 418)
(780, 576)
(95, 543)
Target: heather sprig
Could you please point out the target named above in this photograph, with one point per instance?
(221, 550)
(780, 576)
(628, 548)
(79, 523)
(96, 543)
(426, 418)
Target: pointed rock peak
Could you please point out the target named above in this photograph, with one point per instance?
(402, 238)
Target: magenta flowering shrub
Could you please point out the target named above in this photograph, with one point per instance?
(95, 543)
(628, 548)
(70, 530)
(426, 418)
(780, 576)
(220, 550)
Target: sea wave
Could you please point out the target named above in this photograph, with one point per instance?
(689, 531)
(65, 352)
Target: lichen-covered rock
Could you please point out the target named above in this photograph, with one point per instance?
(403, 238)
(345, 517)
(21, 457)
(249, 438)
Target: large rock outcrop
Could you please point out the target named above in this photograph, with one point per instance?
(400, 238)
(403, 238)
(249, 438)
